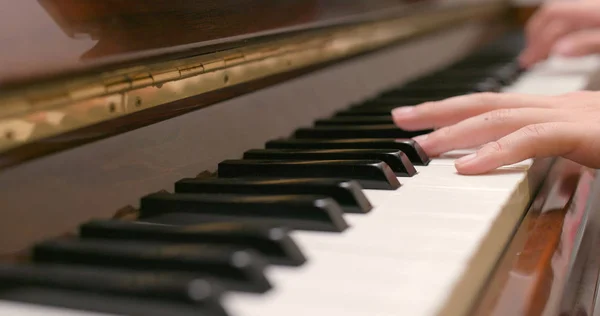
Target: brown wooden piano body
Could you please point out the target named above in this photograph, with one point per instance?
(102, 102)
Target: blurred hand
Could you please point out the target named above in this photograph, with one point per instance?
(565, 28)
(511, 128)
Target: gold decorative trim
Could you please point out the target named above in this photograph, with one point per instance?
(36, 113)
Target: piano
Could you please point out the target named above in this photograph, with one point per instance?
(238, 158)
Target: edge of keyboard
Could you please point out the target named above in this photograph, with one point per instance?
(498, 236)
(555, 76)
(511, 189)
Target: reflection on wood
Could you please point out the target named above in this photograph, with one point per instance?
(135, 25)
(187, 84)
(531, 278)
(60, 37)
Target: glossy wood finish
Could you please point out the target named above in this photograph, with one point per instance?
(134, 121)
(60, 37)
(55, 193)
(531, 279)
(488, 30)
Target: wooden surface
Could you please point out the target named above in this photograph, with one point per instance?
(46, 38)
(55, 193)
(154, 115)
(165, 109)
(531, 278)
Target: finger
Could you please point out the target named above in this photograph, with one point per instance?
(576, 14)
(483, 128)
(571, 140)
(536, 23)
(453, 110)
(582, 13)
(579, 44)
(539, 48)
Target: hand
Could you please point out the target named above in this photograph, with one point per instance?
(511, 128)
(566, 28)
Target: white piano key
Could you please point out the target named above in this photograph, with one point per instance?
(447, 177)
(346, 279)
(391, 249)
(557, 76)
(377, 197)
(449, 158)
(405, 224)
(8, 308)
(408, 254)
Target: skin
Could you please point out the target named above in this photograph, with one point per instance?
(509, 128)
(566, 28)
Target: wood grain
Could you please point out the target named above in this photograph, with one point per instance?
(63, 37)
(53, 194)
(531, 277)
(84, 135)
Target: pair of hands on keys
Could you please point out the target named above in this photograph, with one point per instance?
(508, 127)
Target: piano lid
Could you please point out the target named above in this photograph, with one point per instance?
(85, 69)
(46, 38)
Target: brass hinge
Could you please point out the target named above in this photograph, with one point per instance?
(135, 78)
(39, 112)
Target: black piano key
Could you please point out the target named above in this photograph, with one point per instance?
(356, 120)
(394, 158)
(347, 193)
(381, 110)
(291, 211)
(274, 243)
(242, 269)
(202, 292)
(388, 103)
(447, 79)
(469, 78)
(395, 101)
(451, 77)
(423, 91)
(376, 111)
(376, 108)
(482, 62)
(445, 90)
(392, 101)
(508, 73)
(371, 174)
(490, 79)
(413, 151)
(489, 84)
(77, 301)
(361, 131)
(466, 68)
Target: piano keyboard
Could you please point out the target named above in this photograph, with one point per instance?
(12, 308)
(343, 218)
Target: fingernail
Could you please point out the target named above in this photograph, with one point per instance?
(466, 159)
(403, 111)
(564, 48)
(523, 54)
(421, 138)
